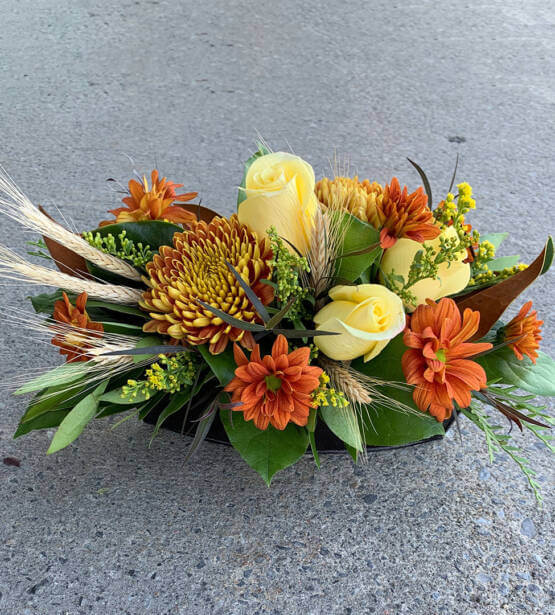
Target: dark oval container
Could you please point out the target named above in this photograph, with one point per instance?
(326, 440)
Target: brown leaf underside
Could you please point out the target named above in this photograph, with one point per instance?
(493, 301)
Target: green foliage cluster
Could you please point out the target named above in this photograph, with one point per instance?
(122, 247)
(288, 269)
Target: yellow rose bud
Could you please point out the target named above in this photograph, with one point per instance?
(367, 317)
(279, 190)
(452, 276)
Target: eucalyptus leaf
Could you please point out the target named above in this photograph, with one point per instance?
(496, 239)
(76, 420)
(267, 451)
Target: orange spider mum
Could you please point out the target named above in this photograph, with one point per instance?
(525, 330)
(437, 359)
(275, 389)
(153, 203)
(406, 215)
(196, 268)
(73, 343)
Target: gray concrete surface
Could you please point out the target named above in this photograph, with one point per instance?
(111, 527)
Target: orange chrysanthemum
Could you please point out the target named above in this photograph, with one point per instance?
(76, 325)
(275, 389)
(437, 359)
(392, 211)
(406, 215)
(153, 203)
(525, 331)
(196, 268)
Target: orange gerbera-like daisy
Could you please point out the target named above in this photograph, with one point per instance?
(406, 215)
(153, 203)
(437, 359)
(275, 389)
(77, 328)
(525, 331)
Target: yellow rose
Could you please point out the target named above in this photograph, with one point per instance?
(367, 317)
(279, 190)
(452, 277)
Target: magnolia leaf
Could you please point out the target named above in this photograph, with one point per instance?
(491, 302)
(66, 260)
(153, 233)
(77, 419)
(504, 366)
(267, 451)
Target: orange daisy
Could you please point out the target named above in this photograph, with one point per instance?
(73, 343)
(405, 215)
(275, 389)
(437, 359)
(153, 203)
(525, 330)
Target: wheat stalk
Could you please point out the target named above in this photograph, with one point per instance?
(13, 267)
(17, 206)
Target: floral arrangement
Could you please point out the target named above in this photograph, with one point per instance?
(336, 306)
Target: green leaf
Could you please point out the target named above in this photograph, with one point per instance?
(267, 451)
(357, 236)
(62, 375)
(54, 398)
(154, 233)
(312, 441)
(503, 262)
(73, 424)
(383, 425)
(115, 397)
(548, 260)
(223, 364)
(177, 400)
(121, 327)
(503, 365)
(496, 239)
(343, 422)
(43, 421)
(230, 320)
(261, 151)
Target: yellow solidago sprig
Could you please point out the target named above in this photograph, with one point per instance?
(452, 212)
(325, 395)
(168, 374)
(136, 253)
(288, 269)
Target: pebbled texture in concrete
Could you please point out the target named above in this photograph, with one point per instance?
(111, 527)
